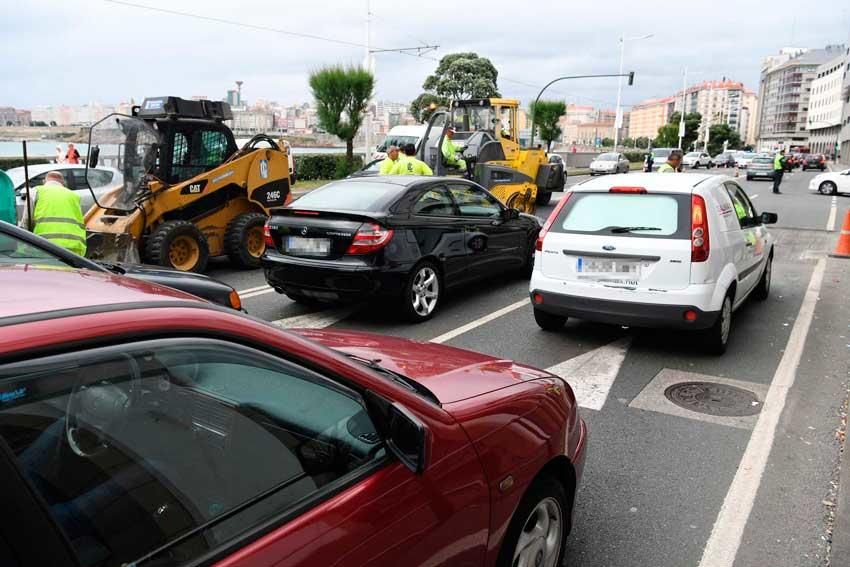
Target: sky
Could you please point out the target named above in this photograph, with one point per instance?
(57, 52)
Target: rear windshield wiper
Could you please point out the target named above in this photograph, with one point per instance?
(624, 229)
(400, 379)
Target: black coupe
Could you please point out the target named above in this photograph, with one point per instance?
(408, 238)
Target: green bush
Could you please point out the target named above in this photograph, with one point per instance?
(13, 162)
(635, 157)
(325, 166)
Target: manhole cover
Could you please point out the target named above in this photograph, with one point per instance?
(713, 399)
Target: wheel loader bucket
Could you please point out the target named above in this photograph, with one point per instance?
(115, 248)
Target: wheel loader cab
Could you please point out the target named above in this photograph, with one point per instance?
(487, 132)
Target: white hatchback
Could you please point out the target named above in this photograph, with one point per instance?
(650, 250)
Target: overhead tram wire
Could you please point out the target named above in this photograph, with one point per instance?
(404, 51)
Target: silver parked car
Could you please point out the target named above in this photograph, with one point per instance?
(743, 159)
(610, 162)
(102, 180)
(695, 160)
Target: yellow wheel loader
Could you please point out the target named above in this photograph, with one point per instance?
(486, 137)
(188, 192)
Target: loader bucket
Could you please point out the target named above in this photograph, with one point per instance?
(115, 248)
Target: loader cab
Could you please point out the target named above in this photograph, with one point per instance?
(485, 128)
(193, 137)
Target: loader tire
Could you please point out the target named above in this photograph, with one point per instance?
(180, 245)
(243, 241)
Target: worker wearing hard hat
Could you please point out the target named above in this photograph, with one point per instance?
(673, 163)
(391, 161)
(408, 164)
(450, 151)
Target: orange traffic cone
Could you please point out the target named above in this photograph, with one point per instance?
(842, 248)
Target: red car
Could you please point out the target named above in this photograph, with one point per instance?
(140, 426)
(814, 161)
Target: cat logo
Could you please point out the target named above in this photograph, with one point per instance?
(264, 168)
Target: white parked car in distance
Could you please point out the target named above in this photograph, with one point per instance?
(831, 183)
(678, 251)
(399, 136)
(609, 162)
(695, 160)
(101, 179)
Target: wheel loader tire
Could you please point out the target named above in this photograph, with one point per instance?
(543, 197)
(180, 245)
(243, 241)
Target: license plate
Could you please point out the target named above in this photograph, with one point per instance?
(300, 246)
(599, 266)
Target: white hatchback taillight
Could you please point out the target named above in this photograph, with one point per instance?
(700, 243)
(370, 237)
(548, 224)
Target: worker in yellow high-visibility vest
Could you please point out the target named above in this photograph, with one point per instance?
(408, 164)
(673, 163)
(56, 214)
(390, 163)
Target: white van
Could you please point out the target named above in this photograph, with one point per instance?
(399, 136)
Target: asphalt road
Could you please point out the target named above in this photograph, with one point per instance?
(660, 485)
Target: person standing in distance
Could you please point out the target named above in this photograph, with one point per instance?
(73, 156)
(673, 163)
(778, 170)
(408, 164)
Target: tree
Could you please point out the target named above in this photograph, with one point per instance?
(425, 104)
(628, 142)
(463, 75)
(546, 114)
(668, 135)
(342, 94)
(607, 142)
(643, 142)
(719, 133)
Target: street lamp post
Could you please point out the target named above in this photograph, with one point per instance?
(682, 114)
(618, 114)
(630, 75)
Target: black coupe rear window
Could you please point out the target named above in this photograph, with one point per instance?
(351, 196)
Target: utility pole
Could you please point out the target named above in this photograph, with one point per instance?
(682, 114)
(369, 66)
(708, 120)
(618, 114)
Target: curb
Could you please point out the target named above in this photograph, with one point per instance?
(840, 553)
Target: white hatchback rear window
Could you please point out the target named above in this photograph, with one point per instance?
(656, 215)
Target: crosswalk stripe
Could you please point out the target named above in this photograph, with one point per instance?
(317, 320)
(255, 293)
(591, 375)
(478, 322)
(252, 289)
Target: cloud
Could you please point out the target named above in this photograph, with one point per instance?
(94, 50)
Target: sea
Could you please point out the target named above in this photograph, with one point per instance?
(47, 148)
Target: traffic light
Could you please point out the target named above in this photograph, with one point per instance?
(631, 78)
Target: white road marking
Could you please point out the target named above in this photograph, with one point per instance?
(480, 321)
(722, 546)
(756, 196)
(317, 320)
(833, 214)
(256, 293)
(592, 374)
(251, 289)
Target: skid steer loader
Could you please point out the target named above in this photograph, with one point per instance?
(487, 133)
(188, 191)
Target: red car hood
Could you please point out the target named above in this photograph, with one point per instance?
(452, 374)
